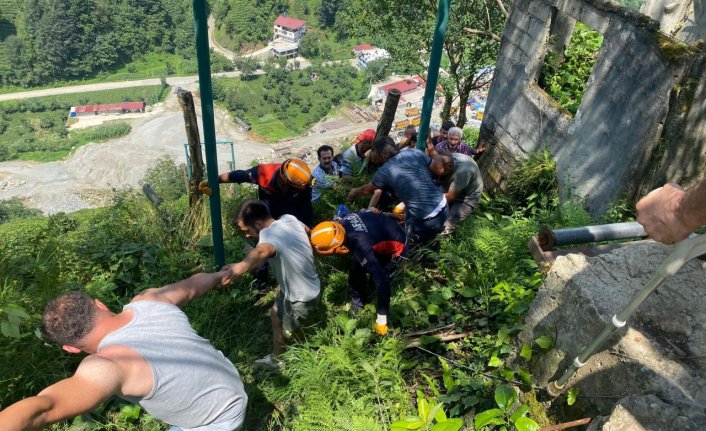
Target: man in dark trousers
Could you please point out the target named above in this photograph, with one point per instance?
(377, 242)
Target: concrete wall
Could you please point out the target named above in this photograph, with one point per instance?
(604, 151)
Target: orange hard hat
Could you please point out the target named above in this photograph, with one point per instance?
(327, 238)
(367, 135)
(296, 173)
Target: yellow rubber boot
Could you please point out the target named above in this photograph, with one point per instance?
(380, 329)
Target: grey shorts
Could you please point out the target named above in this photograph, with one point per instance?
(293, 314)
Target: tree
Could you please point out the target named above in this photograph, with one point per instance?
(471, 45)
(309, 45)
(377, 70)
(327, 15)
(246, 66)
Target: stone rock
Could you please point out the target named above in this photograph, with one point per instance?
(658, 352)
(646, 413)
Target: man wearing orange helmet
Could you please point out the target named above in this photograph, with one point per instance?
(376, 241)
(285, 188)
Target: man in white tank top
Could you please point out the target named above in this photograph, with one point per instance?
(148, 354)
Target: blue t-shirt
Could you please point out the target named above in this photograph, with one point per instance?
(407, 175)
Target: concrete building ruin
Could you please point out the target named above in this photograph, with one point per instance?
(642, 119)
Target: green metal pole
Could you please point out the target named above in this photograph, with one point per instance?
(209, 128)
(437, 48)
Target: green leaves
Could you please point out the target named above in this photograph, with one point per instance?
(526, 352)
(495, 362)
(11, 316)
(449, 425)
(545, 342)
(488, 417)
(431, 417)
(566, 82)
(433, 309)
(506, 415)
(571, 395)
(408, 423)
(526, 424)
(505, 396)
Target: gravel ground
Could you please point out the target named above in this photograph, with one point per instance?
(86, 178)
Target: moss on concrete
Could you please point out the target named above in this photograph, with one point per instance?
(674, 50)
(536, 410)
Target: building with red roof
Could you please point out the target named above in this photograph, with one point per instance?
(363, 47)
(289, 23)
(111, 108)
(404, 86)
(288, 33)
(289, 29)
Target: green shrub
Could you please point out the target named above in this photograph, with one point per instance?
(167, 179)
(13, 209)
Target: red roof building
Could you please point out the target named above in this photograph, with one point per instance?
(363, 47)
(289, 23)
(404, 86)
(114, 108)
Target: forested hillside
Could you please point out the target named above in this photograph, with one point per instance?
(46, 40)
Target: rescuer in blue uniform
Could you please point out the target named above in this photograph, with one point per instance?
(377, 242)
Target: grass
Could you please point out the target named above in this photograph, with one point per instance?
(340, 375)
(35, 129)
(272, 129)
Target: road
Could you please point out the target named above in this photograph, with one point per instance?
(230, 55)
(181, 81)
(88, 177)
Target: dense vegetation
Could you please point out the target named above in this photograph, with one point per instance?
(47, 40)
(341, 376)
(35, 129)
(284, 103)
(565, 75)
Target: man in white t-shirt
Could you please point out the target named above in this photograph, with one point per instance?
(284, 243)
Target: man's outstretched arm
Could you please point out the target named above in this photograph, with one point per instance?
(182, 292)
(669, 214)
(96, 380)
(364, 190)
(256, 257)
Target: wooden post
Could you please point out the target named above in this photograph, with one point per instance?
(388, 114)
(186, 101)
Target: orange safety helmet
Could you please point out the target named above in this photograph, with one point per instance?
(327, 238)
(296, 173)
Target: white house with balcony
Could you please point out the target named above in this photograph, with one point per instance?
(288, 33)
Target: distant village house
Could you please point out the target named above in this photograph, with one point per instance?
(366, 53)
(288, 32)
(112, 108)
(404, 86)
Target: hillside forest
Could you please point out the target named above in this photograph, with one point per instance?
(451, 360)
